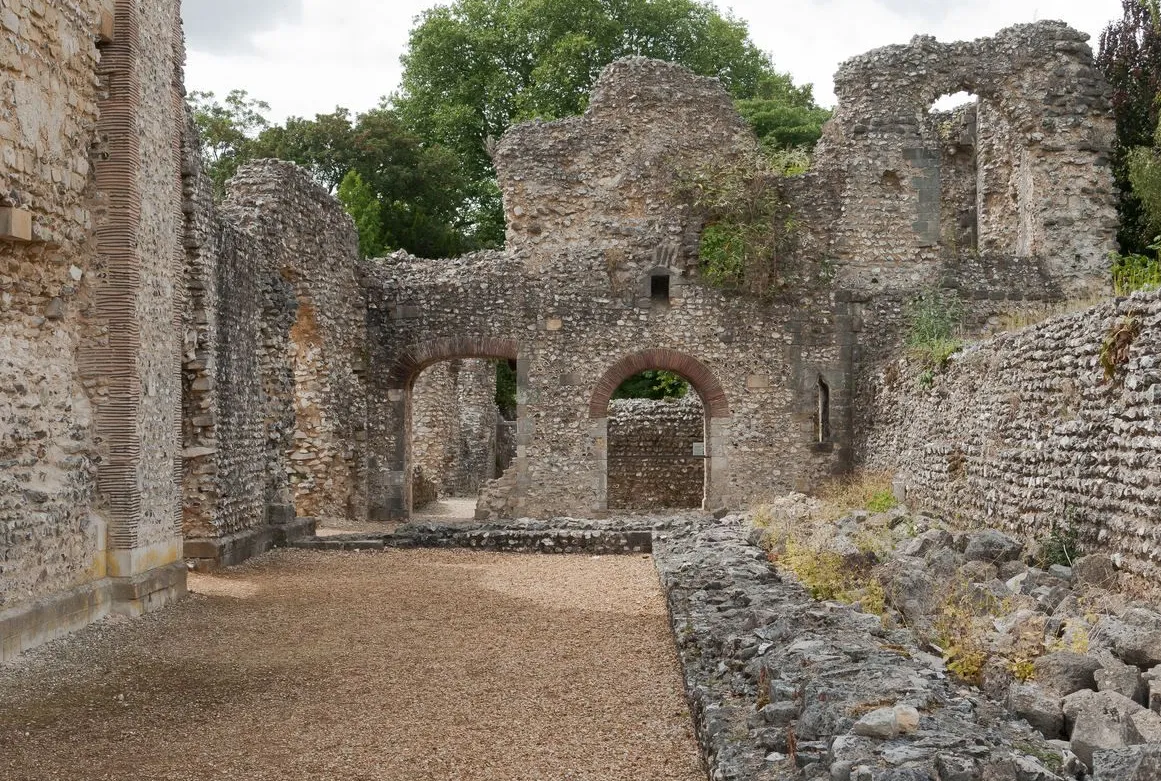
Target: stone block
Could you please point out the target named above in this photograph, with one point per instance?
(1095, 570)
(1122, 678)
(1040, 708)
(1143, 727)
(993, 547)
(1066, 672)
(1136, 763)
(15, 224)
(106, 27)
(1094, 732)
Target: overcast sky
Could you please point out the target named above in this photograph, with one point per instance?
(307, 56)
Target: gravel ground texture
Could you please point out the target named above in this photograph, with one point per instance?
(417, 665)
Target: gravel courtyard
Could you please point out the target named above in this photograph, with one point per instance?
(408, 665)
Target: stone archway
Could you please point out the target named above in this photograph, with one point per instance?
(394, 498)
(714, 401)
(414, 359)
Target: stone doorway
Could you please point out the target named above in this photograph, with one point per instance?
(651, 457)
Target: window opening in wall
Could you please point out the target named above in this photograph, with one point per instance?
(953, 101)
(659, 288)
(948, 213)
(822, 421)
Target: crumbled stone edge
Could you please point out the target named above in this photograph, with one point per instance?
(561, 535)
(733, 616)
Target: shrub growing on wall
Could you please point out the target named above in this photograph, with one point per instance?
(749, 228)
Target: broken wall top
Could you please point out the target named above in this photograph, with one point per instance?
(597, 191)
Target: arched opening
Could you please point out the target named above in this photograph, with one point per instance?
(662, 447)
(456, 441)
(656, 444)
(453, 399)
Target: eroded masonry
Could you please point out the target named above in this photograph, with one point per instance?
(181, 380)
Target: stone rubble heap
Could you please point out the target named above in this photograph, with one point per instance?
(785, 686)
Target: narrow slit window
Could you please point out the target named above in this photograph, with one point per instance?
(822, 424)
(659, 288)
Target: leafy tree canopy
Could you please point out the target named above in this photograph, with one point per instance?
(417, 188)
(227, 130)
(1130, 57)
(653, 384)
(475, 67)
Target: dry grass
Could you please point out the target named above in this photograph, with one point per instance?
(1020, 319)
(401, 665)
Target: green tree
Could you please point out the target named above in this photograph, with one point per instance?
(419, 187)
(652, 384)
(227, 131)
(1130, 58)
(360, 202)
(475, 67)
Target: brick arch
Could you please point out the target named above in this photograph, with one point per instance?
(414, 359)
(713, 396)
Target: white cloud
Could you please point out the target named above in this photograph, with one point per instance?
(346, 52)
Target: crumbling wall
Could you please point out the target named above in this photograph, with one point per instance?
(224, 432)
(653, 459)
(1027, 432)
(274, 405)
(594, 212)
(1039, 142)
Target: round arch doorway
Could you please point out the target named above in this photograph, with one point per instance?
(715, 421)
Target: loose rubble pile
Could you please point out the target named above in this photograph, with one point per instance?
(784, 685)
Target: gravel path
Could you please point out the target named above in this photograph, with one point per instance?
(416, 665)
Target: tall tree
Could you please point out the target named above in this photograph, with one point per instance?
(475, 67)
(1130, 57)
(227, 131)
(360, 202)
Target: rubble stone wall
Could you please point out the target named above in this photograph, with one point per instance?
(1027, 433)
(652, 461)
(275, 405)
(89, 312)
(1037, 141)
(224, 443)
(899, 201)
(51, 536)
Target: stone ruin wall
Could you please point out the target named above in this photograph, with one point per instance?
(454, 426)
(892, 208)
(593, 207)
(52, 537)
(1025, 433)
(652, 458)
(274, 356)
(89, 391)
(1026, 170)
(141, 316)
